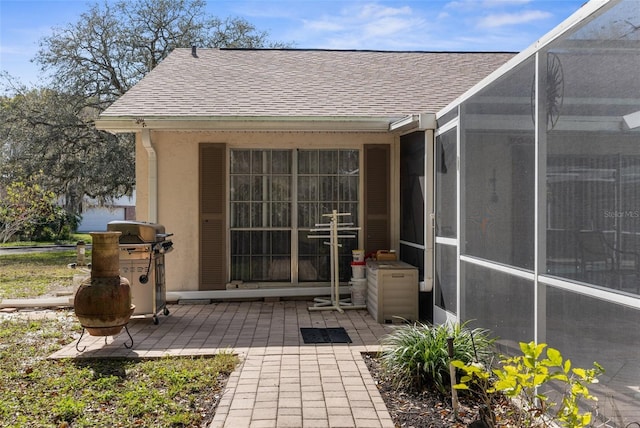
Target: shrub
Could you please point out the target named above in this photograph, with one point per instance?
(416, 356)
(523, 378)
(56, 228)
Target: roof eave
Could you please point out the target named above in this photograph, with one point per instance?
(126, 124)
(414, 122)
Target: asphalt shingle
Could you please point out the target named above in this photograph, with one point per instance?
(303, 83)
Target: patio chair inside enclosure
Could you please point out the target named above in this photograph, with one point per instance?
(602, 262)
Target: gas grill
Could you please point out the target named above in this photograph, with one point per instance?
(142, 249)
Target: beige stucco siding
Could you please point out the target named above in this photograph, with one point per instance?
(177, 167)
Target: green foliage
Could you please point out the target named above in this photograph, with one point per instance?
(24, 206)
(71, 240)
(39, 392)
(35, 274)
(58, 229)
(114, 44)
(91, 62)
(66, 409)
(416, 356)
(52, 131)
(524, 377)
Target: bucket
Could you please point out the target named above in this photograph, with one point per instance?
(358, 255)
(358, 291)
(358, 270)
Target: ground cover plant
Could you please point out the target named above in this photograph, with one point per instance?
(536, 389)
(412, 375)
(428, 408)
(37, 392)
(527, 378)
(416, 355)
(35, 274)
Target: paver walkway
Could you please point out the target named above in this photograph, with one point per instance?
(281, 381)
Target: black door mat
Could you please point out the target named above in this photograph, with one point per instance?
(325, 335)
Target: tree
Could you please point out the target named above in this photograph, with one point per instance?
(45, 130)
(112, 46)
(23, 206)
(92, 62)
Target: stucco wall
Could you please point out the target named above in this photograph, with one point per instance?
(177, 160)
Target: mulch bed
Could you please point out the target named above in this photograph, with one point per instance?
(429, 409)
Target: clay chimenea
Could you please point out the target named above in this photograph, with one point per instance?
(103, 301)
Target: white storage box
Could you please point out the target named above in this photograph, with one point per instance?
(392, 291)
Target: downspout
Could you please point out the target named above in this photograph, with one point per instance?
(152, 176)
(430, 216)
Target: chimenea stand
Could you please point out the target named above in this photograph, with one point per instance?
(102, 303)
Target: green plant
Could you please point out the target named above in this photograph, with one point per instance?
(41, 392)
(523, 377)
(23, 206)
(35, 274)
(66, 409)
(416, 356)
(57, 228)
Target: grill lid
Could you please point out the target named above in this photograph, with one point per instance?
(138, 232)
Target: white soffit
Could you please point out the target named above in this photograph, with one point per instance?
(414, 122)
(257, 124)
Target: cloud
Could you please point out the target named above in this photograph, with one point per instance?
(384, 27)
(323, 25)
(377, 11)
(505, 19)
(476, 4)
(501, 3)
(365, 26)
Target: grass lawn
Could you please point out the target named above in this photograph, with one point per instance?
(35, 274)
(37, 392)
(72, 241)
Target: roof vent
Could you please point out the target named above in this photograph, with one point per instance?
(193, 51)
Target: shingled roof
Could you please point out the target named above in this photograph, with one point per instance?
(292, 83)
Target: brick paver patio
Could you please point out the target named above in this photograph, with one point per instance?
(281, 381)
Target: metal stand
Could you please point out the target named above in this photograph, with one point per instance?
(126, 328)
(333, 228)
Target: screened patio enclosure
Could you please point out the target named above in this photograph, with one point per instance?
(538, 200)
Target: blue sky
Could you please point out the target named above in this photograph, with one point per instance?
(427, 25)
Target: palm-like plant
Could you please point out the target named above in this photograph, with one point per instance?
(416, 356)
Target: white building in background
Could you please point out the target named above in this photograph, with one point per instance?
(95, 216)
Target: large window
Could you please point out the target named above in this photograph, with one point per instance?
(327, 180)
(260, 194)
(278, 196)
